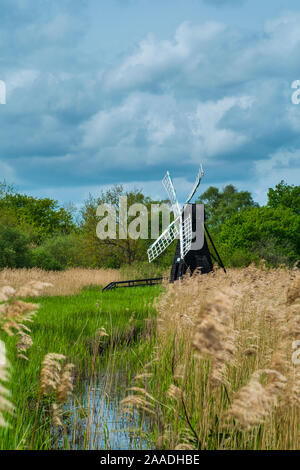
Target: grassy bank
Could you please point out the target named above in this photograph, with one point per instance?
(76, 327)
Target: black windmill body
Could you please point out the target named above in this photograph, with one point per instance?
(192, 252)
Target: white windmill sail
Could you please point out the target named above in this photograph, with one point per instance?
(196, 185)
(181, 227)
(162, 243)
(169, 235)
(187, 236)
(169, 187)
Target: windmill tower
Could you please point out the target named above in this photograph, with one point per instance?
(189, 228)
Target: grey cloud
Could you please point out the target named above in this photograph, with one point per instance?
(210, 57)
(212, 93)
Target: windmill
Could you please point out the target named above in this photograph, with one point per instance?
(187, 225)
(181, 227)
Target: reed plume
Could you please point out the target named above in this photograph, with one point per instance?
(6, 292)
(6, 407)
(25, 342)
(14, 315)
(141, 400)
(255, 402)
(174, 392)
(214, 336)
(101, 333)
(56, 379)
(33, 289)
(50, 373)
(293, 292)
(65, 386)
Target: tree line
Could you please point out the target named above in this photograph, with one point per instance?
(38, 232)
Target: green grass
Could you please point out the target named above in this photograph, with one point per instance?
(67, 325)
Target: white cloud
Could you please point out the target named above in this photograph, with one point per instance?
(159, 128)
(21, 79)
(282, 165)
(153, 58)
(208, 55)
(281, 162)
(211, 138)
(140, 116)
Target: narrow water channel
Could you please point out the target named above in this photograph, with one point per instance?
(95, 418)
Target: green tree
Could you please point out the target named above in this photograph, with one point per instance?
(221, 205)
(271, 232)
(286, 196)
(112, 252)
(40, 218)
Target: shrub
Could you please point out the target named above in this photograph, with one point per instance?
(275, 253)
(59, 253)
(240, 258)
(142, 270)
(14, 251)
(41, 258)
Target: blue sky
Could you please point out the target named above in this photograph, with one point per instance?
(118, 91)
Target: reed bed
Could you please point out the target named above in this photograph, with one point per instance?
(69, 282)
(218, 369)
(222, 373)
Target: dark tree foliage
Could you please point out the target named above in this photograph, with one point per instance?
(14, 251)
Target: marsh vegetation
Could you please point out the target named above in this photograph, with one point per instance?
(205, 363)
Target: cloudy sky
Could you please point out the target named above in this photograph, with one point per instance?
(118, 91)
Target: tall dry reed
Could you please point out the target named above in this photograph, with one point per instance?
(223, 361)
(62, 282)
(14, 318)
(6, 407)
(57, 379)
